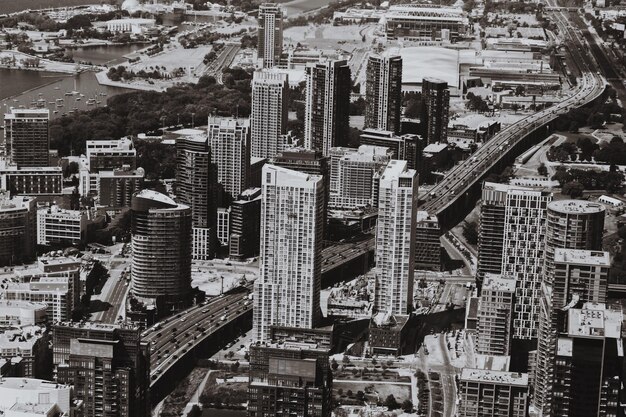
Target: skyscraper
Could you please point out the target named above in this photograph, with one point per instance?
(383, 93)
(268, 119)
(270, 34)
(589, 365)
(437, 97)
(196, 186)
(108, 366)
(572, 274)
(161, 244)
(355, 184)
(245, 224)
(495, 311)
(523, 251)
(287, 293)
(572, 224)
(395, 239)
(229, 140)
(27, 137)
(308, 161)
(326, 120)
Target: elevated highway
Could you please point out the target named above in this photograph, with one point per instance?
(455, 195)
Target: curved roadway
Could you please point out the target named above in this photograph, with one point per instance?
(170, 339)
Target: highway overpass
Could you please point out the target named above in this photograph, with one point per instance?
(456, 194)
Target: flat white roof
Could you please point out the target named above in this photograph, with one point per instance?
(587, 257)
(495, 377)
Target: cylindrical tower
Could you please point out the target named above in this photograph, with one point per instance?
(161, 243)
(572, 224)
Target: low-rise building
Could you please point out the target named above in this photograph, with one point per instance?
(297, 372)
(487, 392)
(31, 344)
(388, 334)
(60, 227)
(116, 188)
(22, 313)
(52, 281)
(36, 181)
(29, 397)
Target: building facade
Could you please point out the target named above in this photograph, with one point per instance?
(493, 393)
(289, 379)
(108, 366)
(18, 229)
(196, 187)
(270, 34)
(395, 239)
(229, 140)
(326, 119)
(287, 292)
(116, 188)
(436, 94)
(27, 137)
(268, 117)
(427, 242)
(245, 225)
(161, 244)
(383, 93)
(577, 276)
(495, 315)
(60, 227)
(523, 243)
(357, 173)
(36, 181)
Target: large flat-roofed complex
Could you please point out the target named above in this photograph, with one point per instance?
(424, 22)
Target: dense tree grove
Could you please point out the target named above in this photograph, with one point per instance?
(146, 111)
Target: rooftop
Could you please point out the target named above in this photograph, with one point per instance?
(586, 257)
(565, 346)
(496, 282)
(594, 320)
(495, 377)
(30, 384)
(576, 207)
(435, 147)
(493, 362)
